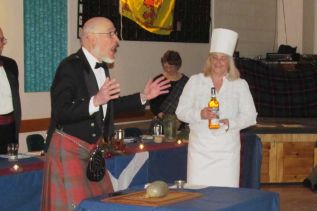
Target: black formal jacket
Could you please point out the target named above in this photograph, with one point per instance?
(73, 86)
(11, 69)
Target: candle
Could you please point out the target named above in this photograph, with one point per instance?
(179, 141)
(141, 146)
(16, 167)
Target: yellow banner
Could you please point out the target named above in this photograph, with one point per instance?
(155, 16)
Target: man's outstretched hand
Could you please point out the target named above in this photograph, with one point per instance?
(155, 88)
(108, 91)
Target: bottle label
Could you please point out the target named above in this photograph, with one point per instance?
(215, 121)
(216, 111)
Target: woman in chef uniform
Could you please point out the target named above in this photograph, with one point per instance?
(214, 154)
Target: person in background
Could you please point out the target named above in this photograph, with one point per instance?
(10, 106)
(167, 103)
(84, 99)
(214, 154)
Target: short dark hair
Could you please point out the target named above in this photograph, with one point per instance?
(172, 58)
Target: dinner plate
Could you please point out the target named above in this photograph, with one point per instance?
(20, 156)
(34, 153)
(147, 137)
(129, 140)
(189, 186)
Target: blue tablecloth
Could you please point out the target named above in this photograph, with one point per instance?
(214, 198)
(140, 168)
(171, 164)
(251, 159)
(22, 190)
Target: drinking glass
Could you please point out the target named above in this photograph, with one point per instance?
(13, 149)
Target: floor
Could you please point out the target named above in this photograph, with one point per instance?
(294, 197)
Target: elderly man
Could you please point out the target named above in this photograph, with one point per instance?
(10, 107)
(84, 99)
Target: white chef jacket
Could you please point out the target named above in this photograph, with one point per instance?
(214, 154)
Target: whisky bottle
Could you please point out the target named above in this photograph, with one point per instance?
(214, 105)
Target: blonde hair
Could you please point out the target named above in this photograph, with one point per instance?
(233, 72)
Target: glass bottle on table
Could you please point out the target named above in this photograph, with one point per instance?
(157, 128)
(169, 127)
(214, 105)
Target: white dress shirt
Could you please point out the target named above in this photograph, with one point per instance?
(6, 105)
(100, 77)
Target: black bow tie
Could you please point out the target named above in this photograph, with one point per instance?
(101, 64)
(104, 66)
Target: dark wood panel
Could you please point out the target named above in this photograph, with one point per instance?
(31, 125)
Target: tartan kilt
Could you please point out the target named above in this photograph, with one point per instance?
(65, 182)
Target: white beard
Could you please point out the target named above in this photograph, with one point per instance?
(108, 60)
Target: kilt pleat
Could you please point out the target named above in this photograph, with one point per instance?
(65, 182)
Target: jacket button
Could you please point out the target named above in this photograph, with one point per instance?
(93, 135)
(82, 99)
(92, 124)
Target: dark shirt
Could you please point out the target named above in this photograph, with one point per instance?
(167, 103)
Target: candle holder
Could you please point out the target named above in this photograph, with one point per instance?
(113, 146)
(179, 184)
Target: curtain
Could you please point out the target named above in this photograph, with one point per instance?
(45, 41)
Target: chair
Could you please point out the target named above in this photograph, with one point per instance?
(35, 142)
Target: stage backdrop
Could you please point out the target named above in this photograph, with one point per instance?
(45, 41)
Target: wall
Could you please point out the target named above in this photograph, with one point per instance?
(290, 23)
(35, 105)
(263, 25)
(254, 20)
(308, 26)
(135, 63)
(315, 27)
(134, 59)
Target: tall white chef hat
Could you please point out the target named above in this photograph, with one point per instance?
(223, 41)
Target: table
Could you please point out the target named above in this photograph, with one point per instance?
(154, 162)
(167, 162)
(214, 198)
(21, 190)
(289, 148)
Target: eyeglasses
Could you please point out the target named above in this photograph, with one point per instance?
(3, 40)
(110, 34)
